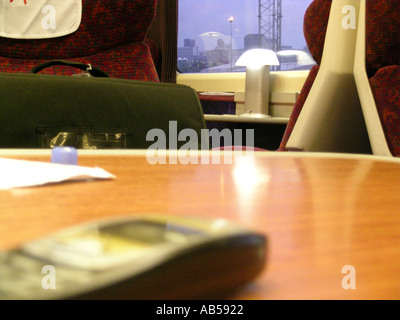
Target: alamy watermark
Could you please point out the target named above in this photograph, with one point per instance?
(191, 145)
(49, 280)
(349, 281)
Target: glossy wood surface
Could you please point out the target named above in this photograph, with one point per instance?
(319, 213)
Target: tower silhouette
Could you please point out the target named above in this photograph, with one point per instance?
(270, 24)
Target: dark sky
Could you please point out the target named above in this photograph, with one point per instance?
(204, 16)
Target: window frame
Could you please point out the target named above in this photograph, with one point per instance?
(286, 82)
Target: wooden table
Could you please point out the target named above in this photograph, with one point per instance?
(320, 213)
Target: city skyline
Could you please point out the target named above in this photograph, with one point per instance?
(197, 18)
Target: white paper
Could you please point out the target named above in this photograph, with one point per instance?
(22, 173)
(39, 19)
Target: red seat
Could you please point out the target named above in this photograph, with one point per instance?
(112, 36)
(382, 49)
(238, 148)
(377, 77)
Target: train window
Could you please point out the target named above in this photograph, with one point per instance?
(213, 34)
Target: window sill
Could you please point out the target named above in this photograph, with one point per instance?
(282, 81)
(285, 87)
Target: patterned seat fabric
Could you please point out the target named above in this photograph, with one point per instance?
(383, 65)
(315, 25)
(112, 37)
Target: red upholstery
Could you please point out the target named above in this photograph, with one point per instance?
(385, 87)
(112, 37)
(382, 62)
(382, 34)
(315, 25)
(238, 148)
(383, 65)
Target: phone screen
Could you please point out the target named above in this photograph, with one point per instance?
(149, 232)
(108, 245)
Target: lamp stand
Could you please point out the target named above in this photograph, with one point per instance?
(257, 92)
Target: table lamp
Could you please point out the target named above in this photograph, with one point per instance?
(257, 63)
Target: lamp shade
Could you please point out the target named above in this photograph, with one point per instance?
(258, 58)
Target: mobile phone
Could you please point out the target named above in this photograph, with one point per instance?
(135, 257)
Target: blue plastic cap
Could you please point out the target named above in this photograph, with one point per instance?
(64, 155)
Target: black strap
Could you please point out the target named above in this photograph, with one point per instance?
(95, 72)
